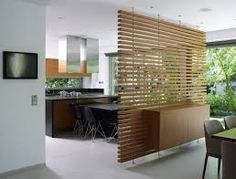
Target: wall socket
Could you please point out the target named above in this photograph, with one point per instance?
(34, 100)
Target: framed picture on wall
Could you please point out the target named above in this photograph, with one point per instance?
(20, 65)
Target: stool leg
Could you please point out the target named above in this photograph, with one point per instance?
(219, 163)
(205, 165)
(114, 131)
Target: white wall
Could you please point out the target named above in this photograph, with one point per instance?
(52, 47)
(104, 65)
(22, 139)
(220, 35)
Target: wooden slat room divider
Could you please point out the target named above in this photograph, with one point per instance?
(159, 64)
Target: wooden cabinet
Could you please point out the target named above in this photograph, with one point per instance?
(60, 115)
(64, 118)
(51, 67)
(173, 126)
(52, 70)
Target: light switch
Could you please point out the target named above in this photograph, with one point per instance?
(34, 100)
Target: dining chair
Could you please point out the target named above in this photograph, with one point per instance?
(230, 122)
(228, 160)
(93, 126)
(213, 146)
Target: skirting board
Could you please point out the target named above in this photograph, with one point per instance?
(20, 170)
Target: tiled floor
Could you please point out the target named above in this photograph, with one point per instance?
(83, 159)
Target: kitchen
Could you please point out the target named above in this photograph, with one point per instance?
(71, 80)
(141, 132)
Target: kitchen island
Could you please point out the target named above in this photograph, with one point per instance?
(59, 111)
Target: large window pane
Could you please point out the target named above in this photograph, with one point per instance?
(113, 70)
(221, 80)
(63, 83)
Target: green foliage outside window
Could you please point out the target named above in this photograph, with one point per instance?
(63, 83)
(113, 61)
(222, 70)
(221, 105)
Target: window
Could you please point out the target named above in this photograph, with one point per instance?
(221, 63)
(113, 74)
(63, 83)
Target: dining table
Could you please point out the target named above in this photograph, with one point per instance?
(228, 135)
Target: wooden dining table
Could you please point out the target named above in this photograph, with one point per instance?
(228, 135)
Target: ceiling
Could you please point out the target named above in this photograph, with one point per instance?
(98, 18)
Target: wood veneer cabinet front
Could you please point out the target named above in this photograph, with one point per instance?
(64, 115)
(52, 70)
(51, 67)
(173, 126)
(59, 116)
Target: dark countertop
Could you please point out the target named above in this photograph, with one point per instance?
(83, 96)
(106, 107)
(55, 91)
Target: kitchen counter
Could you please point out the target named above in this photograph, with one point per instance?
(60, 115)
(85, 96)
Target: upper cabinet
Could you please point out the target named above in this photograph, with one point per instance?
(52, 71)
(51, 67)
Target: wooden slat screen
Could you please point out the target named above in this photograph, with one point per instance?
(159, 64)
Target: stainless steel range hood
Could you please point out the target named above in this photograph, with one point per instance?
(78, 55)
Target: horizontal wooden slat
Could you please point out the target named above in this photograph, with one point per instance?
(169, 36)
(134, 22)
(170, 25)
(126, 36)
(136, 49)
(173, 57)
(160, 64)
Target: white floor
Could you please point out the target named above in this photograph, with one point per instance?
(83, 159)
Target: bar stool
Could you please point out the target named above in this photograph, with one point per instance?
(80, 123)
(93, 126)
(114, 132)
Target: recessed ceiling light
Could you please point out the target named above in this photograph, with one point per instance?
(151, 7)
(205, 9)
(201, 22)
(179, 15)
(60, 17)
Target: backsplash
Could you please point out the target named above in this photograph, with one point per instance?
(55, 92)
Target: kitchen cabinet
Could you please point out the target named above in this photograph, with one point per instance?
(52, 71)
(172, 126)
(59, 111)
